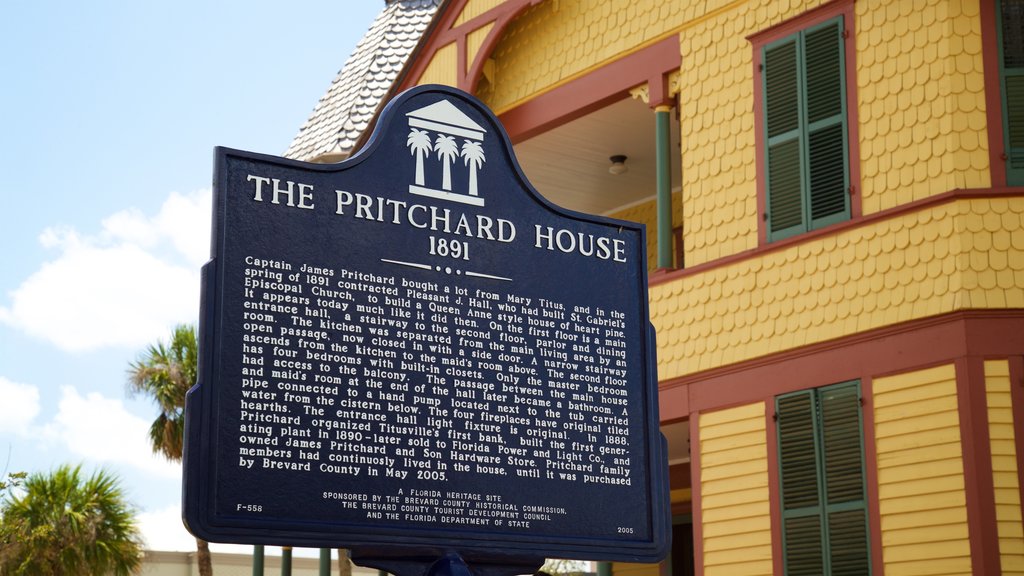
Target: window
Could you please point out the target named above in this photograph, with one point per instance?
(804, 90)
(1010, 15)
(822, 481)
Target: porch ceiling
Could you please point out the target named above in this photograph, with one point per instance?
(678, 436)
(569, 164)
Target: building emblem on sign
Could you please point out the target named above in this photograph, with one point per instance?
(438, 128)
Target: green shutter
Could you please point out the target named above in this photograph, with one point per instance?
(785, 201)
(848, 543)
(844, 478)
(797, 453)
(782, 89)
(805, 127)
(782, 123)
(1011, 45)
(804, 554)
(844, 461)
(821, 469)
(800, 484)
(826, 125)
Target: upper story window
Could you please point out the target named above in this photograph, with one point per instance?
(1010, 16)
(804, 123)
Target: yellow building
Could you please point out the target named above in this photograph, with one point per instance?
(834, 194)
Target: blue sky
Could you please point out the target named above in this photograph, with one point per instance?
(109, 112)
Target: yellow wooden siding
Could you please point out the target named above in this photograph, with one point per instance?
(442, 68)
(922, 132)
(735, 508)
(718, 156)
(960, 255)
(921, 100)
(473, 41)
(646, 212)
(632, 569)
(920, 103)
(921, 496)
(474, 8)
(555, 41)
(1004, 466)
(964, 254)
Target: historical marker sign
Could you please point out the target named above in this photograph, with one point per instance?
(414, 349)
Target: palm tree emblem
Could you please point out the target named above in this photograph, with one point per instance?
(419, 145)
(447, 151)
(473, 157)
(439, 127)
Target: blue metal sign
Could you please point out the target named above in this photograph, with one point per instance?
(413, 349)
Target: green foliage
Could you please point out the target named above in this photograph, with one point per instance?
(8, 529)
(165, 373)
(61, 524)
(12, 481)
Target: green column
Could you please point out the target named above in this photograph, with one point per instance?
(325, 562)
(604, 569)
(286, 561)
(257, 560)
(663, 134)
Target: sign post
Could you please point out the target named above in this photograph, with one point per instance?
(414, 355)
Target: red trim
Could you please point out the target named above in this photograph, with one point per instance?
(460, 62)
(867, 390)
(435, 39)
(446, 32)
(471, 79)
(774, 488)
(777, 32)
(1017, 409)
(674, 405)
(603, 86)
(977, 458)
(679, 476)
(695, 496)
(893, 349)
(930, 202)
(993, 94)
(441, 32)
(962, 338)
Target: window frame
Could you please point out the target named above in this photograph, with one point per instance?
(779, 34)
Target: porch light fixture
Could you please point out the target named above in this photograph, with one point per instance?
(618, 165)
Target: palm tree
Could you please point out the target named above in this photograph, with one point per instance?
(165, 373)
(473, 156)
(419, 144)
(447, 151)
(63, 525)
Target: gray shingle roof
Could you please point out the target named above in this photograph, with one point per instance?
(345, 112)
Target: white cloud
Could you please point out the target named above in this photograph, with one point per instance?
(187, 221)
(19, 408)
(124, 286)
(101, 429)
(163, 530)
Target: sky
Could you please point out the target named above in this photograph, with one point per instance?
(109, 113)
